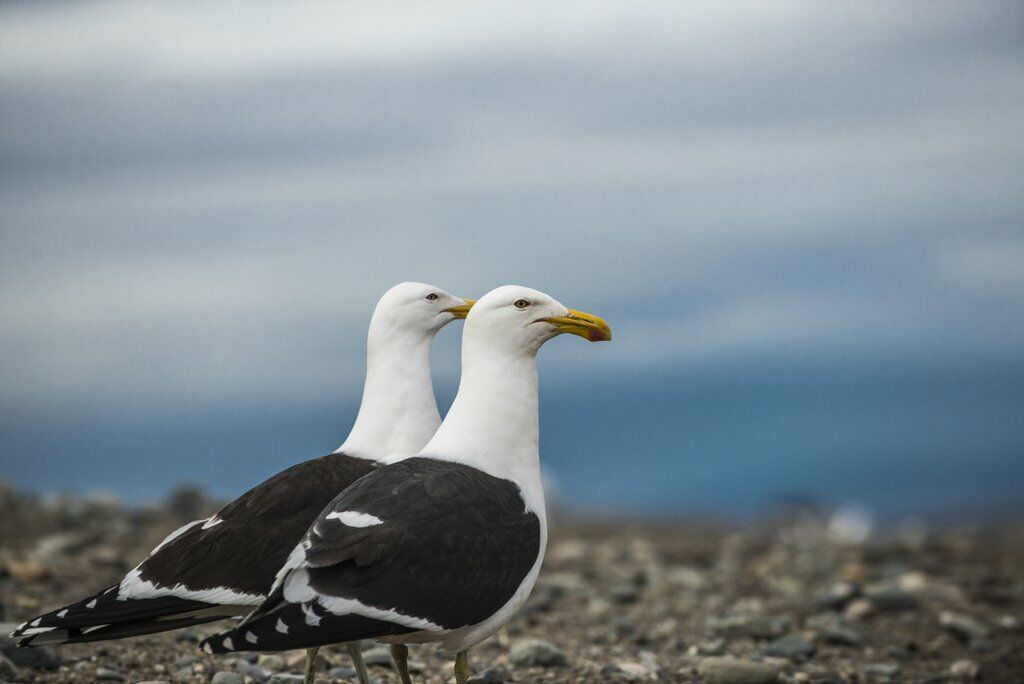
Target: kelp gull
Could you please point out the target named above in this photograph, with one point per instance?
(445, 546)
(225, 565)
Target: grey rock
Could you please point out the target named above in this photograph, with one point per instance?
(109, 674)
(225, 677)
(342, 672)
(726, 670)
(746, 626)
(625, 593)
(890, 598)
(378, 655)
(964, 670)
(286, 678)
(635, 672)
(837, 595)
(881, 671)
(189, 636)
(491, 675)
(183, 674)
(254, 672)
(42, 657)
(271, 662)
(838, 635)
(982, 645)
(791, 646)
(711, 647)
(531, 652)
(8, 670)
(963, 626)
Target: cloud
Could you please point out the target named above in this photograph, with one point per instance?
(201, 203)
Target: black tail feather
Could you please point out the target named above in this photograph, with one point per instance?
(299, 626)
(80, 635)
(106, 614)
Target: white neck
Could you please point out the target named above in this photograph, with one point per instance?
(398, 413)
(493, 424)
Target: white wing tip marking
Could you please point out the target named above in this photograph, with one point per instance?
(211, 522)
(281, 627)
(312, 619)
(62, 613)
(207, 649)
(354, 518)
(35, 623)
(91, 604)
(250, 637)
(33, 631)
(228, 645)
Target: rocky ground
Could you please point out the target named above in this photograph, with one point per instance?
(796, 599)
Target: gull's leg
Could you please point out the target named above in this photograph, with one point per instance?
(356, 653)
(461, 668)
(400, 654)
(311, 664)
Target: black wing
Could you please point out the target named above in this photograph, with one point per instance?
(256, 532)
(452, 546)
(236, 551)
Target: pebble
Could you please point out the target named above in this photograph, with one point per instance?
(286, 678)
(491, 675)
(889, 598)
(378, 655)
(791, 646)
(630, 672)
(531, 652)
(224, 677)
(685, 577)
(881, 671)
(8, 670)
(964, 669)
(109, 674)
(859, 609)
(254, 672)
(963, 626)
(711, 647)
(837, 595)
(271, 662)
(342, 672)
(725, 670)
(837, 635)
(746, 626)
(625, 593)
(43, 657)
(27, 570)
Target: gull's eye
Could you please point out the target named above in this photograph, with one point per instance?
(521, 304)
(432, 297)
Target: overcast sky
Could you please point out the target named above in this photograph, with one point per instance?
(201, 203)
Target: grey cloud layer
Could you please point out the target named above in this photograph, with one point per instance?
(209, 219)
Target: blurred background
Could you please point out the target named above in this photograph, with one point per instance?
(802, 220)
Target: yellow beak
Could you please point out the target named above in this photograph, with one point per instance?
(587, 326)
(462, 311)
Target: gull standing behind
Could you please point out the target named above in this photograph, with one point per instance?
(225, 565)
(445, 546)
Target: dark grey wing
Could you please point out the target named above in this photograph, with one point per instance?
(243, 545)
(418, 543)
(232, 555)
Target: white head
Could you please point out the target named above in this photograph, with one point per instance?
(493, 423)
(415, 311)
(518, 320)
(398, 413)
